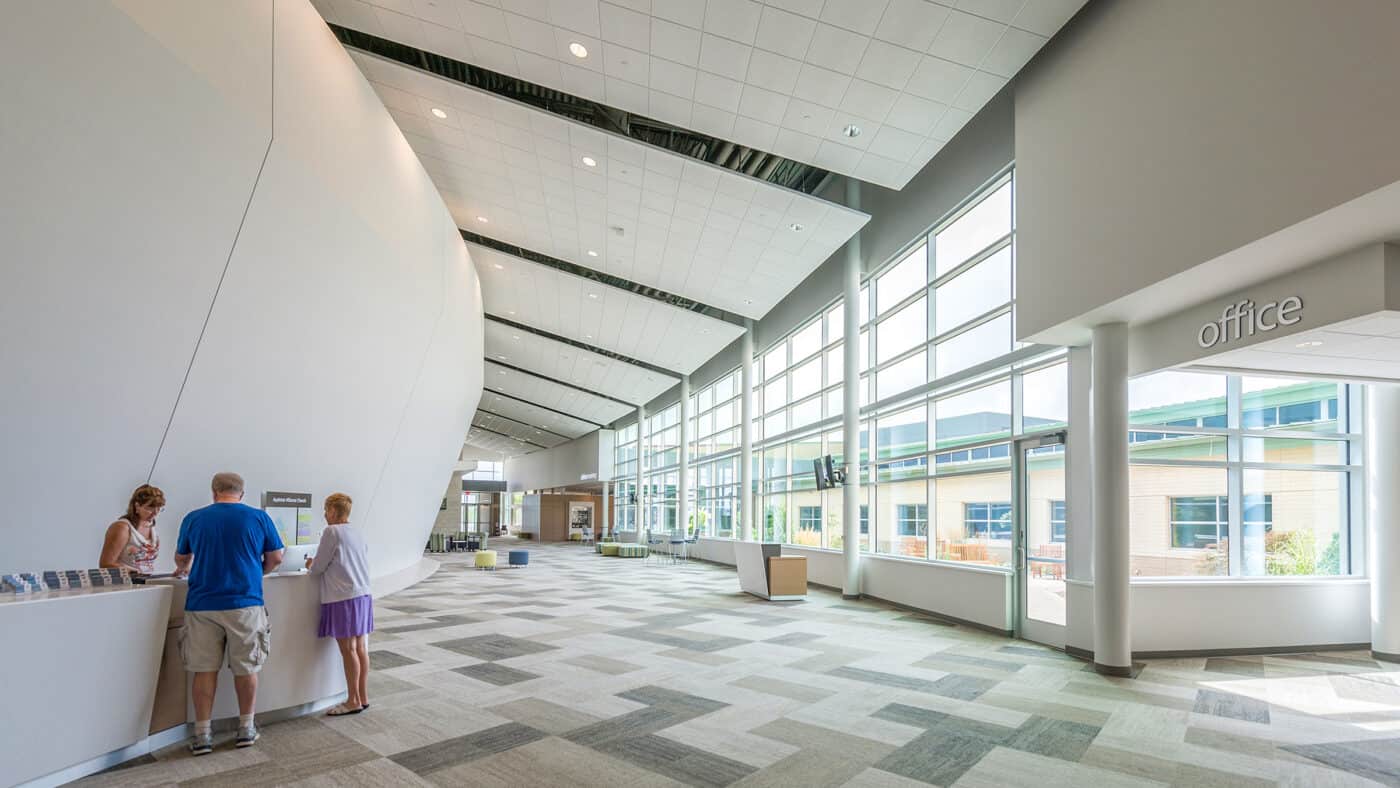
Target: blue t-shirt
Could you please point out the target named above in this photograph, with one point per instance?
(228, 541)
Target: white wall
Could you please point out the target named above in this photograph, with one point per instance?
(212, 226)
(1152, 137)
(1226, 615)
(563, 465)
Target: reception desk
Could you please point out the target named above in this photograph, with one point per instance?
(753, 562)
(78, 676)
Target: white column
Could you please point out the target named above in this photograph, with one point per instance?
(850, 400)
(641, 478)
(1113, 648)
(606, 520)
(683, 486)
(1383, 517)
(746, 513)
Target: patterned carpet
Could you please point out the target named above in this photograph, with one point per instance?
(580, 670)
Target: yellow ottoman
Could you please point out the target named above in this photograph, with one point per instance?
(485, 559)
(609, 549)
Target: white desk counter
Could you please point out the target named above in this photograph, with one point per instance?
(78, 676)
(302, 670)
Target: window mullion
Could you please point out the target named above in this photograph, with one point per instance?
(1234, 453)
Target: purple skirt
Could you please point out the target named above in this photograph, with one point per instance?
(347, 618)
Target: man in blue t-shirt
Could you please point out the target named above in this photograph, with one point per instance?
(231, 547)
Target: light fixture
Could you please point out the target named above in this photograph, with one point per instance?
(439, 113)
(499, 267)
(578, 50)
(587, 336)
(1309, 343)
(592, 253)
(851, 130)
(482, 219)
(502, 372)
(748, 301)
(503, 358)
(593, 295)
(704, 330)
(590, 161)
(515, 336)
(510, 312)
(795, 227)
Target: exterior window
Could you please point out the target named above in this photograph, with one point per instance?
(987, 520)
(912, 519)
(1203, 521)
(1057, 521)
(1199, 521)
(809, 518)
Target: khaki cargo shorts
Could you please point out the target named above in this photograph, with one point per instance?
(241, 638)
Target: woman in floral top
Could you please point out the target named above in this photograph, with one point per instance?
(131, 541)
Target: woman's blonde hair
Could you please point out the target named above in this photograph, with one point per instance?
(145, 495)
(339, 504)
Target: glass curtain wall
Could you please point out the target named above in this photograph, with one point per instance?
(1242, 476)
(624, 492)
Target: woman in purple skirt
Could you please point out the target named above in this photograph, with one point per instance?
(347, 611)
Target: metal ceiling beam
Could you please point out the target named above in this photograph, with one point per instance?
(535, 427)
(564, 383)
(507, 437)
(566, 414)
(609, 280)
(585, 347)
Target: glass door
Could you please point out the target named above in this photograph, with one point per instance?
(1040, 538)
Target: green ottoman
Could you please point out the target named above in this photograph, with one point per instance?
(632, 551)
(609, 549)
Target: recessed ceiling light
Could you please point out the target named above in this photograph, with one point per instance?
(439, 113)
(587, 336)
(592, 295)
(502, 372)
(590, 161)
(795, 227)
(748, 301)
(592, 253)
(851, 130)
(510, 311)
(515, 336)
(499, 267)
(1309, 343)
(503, 358)
(482, 219)
(578, 50)
(704, 330)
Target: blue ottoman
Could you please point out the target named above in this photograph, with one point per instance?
(518, 557)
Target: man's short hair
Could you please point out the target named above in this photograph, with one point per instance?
(227, 483)
(339, 505)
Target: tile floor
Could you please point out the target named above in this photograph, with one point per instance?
(580, 670)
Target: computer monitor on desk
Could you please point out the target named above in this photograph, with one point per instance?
(294, 557)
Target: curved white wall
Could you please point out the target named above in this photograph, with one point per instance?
(210, 221)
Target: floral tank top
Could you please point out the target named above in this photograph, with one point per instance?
(140, 553)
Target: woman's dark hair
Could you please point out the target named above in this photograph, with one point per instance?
(145, 495)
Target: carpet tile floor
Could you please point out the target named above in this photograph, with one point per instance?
(580, 670)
